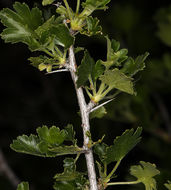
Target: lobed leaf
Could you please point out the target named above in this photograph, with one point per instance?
(122, 145)
(131, 67)
(92, 27)
(51, 136)
(145, 173)
(27, 145)
(21, 24)
(23, 186)
(116, 79)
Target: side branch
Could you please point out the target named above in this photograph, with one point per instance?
(85, 122)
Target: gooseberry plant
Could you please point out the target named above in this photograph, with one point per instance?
(54, 39)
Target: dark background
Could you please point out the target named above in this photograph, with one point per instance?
(29, 98)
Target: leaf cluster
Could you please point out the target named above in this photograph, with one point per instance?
(115, 74)
(48, 142)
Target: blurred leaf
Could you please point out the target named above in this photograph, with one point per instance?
(116, 79)
(99, 113)
(101, 150)
(92, 5)
(131, 67)
(47, 2)
(85, 69)
(122, 145)
(168, 185)
(92, 27)
(21, 24)
(70, 178)
(145, 173)
(63, 150)
(23, 186)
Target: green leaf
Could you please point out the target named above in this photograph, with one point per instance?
(62, 35)
(145, 173)
(131, 67)
(168, 185)
(44, 62)
(23, 186)
(52, 135)
(92, 27)
(48, 143)
(91, 5)
(21, 24)
(116, 79)
(85, 69)
(98, 70)
(100, 150)
(70, 133)
(70, 178)
(47, 2)
(122, 145)
(27, 145)
(99, 113)
(114, 56)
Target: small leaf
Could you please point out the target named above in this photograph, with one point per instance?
(145, 173)
(85, 69)
(21, 24)
(168, 185)
(131, 67)
(92, 27)
(122, 145)
(23, 186)
(52, 135)
(116, 79)
(99, 113)
(47, 2)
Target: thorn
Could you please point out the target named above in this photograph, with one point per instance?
(97, 107)
(57, 71)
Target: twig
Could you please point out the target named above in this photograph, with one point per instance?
(85, 122)
(7, 171)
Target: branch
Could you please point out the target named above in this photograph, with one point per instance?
(85, 122)
(4, 168)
